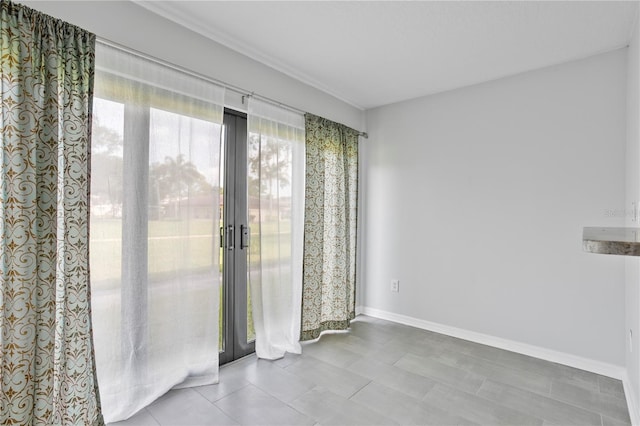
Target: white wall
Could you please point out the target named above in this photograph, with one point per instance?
(476, 200)
(130, 25)
(632, 264)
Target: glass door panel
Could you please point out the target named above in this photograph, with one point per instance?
(237, 330)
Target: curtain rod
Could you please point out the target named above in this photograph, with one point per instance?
(239, 90)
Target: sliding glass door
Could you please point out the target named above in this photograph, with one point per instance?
(237, 335)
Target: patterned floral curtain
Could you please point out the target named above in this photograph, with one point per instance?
(47, 373)
(331, 199)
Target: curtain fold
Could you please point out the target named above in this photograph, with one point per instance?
(330, 227)
(154, 218)
(276, 213)
(46, 352)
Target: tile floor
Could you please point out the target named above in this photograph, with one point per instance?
(382, 373)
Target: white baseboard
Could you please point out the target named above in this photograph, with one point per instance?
(632, 399)
(359, 310)
(603, 368)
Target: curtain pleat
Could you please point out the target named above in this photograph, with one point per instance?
(46, 352)
(330, 227)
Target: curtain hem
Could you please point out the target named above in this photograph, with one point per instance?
(326, 326)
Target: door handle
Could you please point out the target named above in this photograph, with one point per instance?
(245, 236)
(230, 237)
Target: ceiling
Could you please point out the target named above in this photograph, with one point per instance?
(375, 53)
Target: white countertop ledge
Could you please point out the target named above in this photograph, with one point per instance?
(620, 241)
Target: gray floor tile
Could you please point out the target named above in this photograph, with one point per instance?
(252, 406)
(608, 421)
(437, 337)
(231, 379)
(386, 352)
(475, 349)
(613, 406)
(371, 332)
(370, 368)
(548, 369)
(187, 407)
(396, 378)
(337, 380)
(327, 408)
(331, 354)
(440, 372)
(408, 334)
(576, 377)
(319, 403)
(402, 408)
(421, 347)
(525, 362)
(352, 343)
(406, 382)
(286, 360)
(525, 379)
(141, 418)
(277, 381)
(536, 405)
(475, 408)
(611, 386)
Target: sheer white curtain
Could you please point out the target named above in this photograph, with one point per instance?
(276, 176)
(155, 201)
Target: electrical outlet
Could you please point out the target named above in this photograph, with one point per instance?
(395, 286)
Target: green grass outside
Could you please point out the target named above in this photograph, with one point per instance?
(175, 248)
